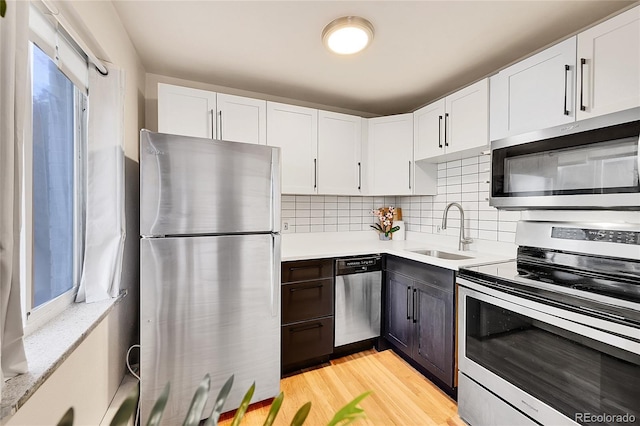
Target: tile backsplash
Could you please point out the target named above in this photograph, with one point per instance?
(463, 181)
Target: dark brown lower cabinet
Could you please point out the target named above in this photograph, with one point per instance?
(307, 313)
(420, 315)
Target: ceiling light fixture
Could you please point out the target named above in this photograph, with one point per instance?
(347, 35)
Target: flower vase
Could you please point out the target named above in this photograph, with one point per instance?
(384, 237)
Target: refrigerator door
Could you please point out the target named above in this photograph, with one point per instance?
(209, 305)
(202, 186)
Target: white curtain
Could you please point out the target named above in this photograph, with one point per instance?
(14, 32)
(105, 223)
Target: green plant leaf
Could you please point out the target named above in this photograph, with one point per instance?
(67, 419)
(3, 11)
(198, 402)
(158, 408)
(350, 412)
(126, 410)
(273, 411)
(301, 415)
(243, 406)
(394, 229)
(220, 400)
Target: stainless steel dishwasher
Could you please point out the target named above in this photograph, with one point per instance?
(358, 296)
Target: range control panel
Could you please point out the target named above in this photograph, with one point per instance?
(585, 234)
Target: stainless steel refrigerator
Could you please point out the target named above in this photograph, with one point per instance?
(210, 270)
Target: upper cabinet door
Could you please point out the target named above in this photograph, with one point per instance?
(186, 111)
(390, 148)
(428, 128)
(295, 130)
(609, 66)
(467, 118)
(242, 119)
(339, 153)
(536, 93)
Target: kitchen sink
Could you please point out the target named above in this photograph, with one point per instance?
(442, 254)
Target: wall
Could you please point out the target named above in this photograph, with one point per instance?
(89, 378)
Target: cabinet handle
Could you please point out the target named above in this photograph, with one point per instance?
(566, 77)
(306, 288)
(583, 61)
(220, 114)
(414, 305)
(446, 120)
(359, 176)
(439, 131)
(306, 327)
(315, 173)
(213, 119)
(299, 268)
(409, 174)
(408, 294)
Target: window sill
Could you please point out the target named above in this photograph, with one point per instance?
(49, 346)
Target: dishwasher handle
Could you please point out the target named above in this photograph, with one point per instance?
(358, 265)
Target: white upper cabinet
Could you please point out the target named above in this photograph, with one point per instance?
(535, 93)
(390, 155)
(295, 130)
(241, 119)
(339, 153)
(457, 124)
(609, 66)
(186, 111)
(427, 130)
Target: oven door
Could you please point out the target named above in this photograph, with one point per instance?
(554, 366)
(593, 163)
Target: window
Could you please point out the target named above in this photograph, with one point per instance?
(53, 218)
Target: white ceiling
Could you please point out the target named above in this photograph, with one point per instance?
(421, 51)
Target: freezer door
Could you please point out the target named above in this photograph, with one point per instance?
(202, 186)
(209, 305)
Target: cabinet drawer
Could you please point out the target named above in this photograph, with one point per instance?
(307, 300)
(435, 275)
(307, 340)
(305, 270)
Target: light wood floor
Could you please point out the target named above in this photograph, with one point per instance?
(401, 395)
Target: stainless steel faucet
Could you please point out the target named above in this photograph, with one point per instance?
(463, 240)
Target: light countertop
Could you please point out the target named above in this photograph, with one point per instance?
(302, 246)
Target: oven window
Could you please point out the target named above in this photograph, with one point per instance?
(588, 381)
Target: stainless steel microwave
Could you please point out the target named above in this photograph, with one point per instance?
(589, 164)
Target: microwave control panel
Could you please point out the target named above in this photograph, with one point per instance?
(584, 234)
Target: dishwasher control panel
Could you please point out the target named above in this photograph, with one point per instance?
(358, 265)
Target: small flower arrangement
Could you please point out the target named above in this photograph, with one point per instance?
(385, 218)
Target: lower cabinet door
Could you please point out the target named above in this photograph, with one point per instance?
(306, 340)
(434, 344)
(399, 311)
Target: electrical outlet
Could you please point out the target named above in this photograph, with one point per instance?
(438, 229)
(285, 226)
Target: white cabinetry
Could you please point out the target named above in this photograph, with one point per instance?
(193, 112)
(186, 111)
(241, 119)
(390, 154)
(295, 130)
(594, 73)
(609, 61)
(535, 93)
(339, 153)
(455, 126)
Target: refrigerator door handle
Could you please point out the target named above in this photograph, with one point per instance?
(275, 188)
(276, 276)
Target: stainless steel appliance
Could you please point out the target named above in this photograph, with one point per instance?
(358, 299)
(210, 269)
(553, 337)
(591, 163)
